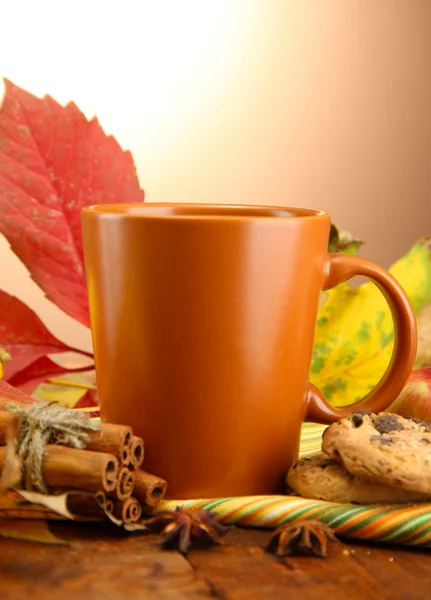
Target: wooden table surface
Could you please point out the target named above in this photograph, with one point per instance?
(103, 563)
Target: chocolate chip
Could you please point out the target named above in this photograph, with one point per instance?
(387, 423)
(357, 420)
(424, 424)
(425, 440)
(385, 441)
(381, 440)
(418, 421)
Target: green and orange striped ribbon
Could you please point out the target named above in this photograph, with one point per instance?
(408, 525)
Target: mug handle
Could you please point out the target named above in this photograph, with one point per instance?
(340, 268)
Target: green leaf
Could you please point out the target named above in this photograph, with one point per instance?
(343, 241)
(354, 331)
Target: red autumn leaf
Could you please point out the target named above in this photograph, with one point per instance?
(24, 336)
(89, 399)
(42, 369)
(53, 162)
(10, 394)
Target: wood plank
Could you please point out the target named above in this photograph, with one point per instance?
(242, 570)
(406, 570)
(96, 567)
(102, 562)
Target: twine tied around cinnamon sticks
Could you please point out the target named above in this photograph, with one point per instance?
(53, 450)
(49, 447)
(41, 424)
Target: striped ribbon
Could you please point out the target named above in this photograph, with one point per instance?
(407, 525)
(311, 439)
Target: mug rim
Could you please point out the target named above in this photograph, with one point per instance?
(191, 211)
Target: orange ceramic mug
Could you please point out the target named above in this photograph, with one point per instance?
(203, 319)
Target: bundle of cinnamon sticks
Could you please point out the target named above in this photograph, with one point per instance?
(109, 467)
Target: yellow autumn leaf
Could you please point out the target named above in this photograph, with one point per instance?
(354, 332)
(67, 389)
(4, 357)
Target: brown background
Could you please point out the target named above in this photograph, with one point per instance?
(327, 105)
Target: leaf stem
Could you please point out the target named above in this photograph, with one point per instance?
(72, 384)
(82, 352)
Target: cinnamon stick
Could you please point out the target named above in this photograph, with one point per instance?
(100, 498)
(128, 510)
(113, 439)
(106, 503)
(109, 506)
(125, 484)
(110, 438)
(136, 452)
(65, 467)
(149, 489)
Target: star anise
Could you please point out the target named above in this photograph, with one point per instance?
(182, 527)
(308, 537)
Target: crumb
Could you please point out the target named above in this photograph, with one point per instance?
(391, 559)
(346, 552)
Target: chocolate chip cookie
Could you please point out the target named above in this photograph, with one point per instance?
(383, 448)
(324, 478)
